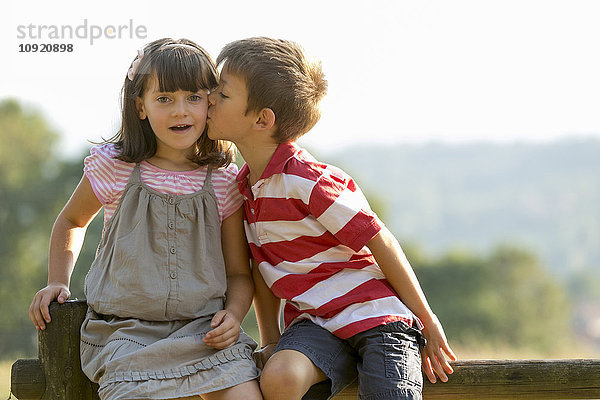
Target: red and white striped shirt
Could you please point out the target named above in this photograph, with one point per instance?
(108, 177)
(308, 224)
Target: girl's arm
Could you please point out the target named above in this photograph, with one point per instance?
(399, 273)
(66, 240)
(240, 289)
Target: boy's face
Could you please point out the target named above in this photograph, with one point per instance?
(227, 117)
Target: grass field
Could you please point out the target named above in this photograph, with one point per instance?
(5, 379)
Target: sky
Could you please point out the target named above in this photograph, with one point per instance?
(398, 71)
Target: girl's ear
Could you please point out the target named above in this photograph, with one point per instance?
(139, 105)
(265, 120)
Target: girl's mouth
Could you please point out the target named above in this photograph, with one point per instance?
(180, 128)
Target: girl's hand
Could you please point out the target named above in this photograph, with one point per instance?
(226, 330)
(433, 355)
(38, 311)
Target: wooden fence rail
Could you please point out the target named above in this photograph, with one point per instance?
(57, 375)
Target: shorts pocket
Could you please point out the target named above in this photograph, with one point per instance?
(402, 359)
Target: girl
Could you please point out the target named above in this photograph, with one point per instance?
(170, 282)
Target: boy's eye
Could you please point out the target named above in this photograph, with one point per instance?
(223, 95)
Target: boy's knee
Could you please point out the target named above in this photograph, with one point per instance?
(279, 374)
(284, 379)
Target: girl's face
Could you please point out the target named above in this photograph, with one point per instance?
(177, 118)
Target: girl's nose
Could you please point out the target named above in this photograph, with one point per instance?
(180, 108)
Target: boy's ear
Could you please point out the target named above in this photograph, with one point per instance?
(265, 119)
(139, 105)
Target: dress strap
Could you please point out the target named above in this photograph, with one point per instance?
(207, 185)
(136, 175)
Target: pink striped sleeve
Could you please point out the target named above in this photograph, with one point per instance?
(226, 190)
(99, 168)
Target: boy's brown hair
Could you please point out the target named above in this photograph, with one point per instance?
(278, 76)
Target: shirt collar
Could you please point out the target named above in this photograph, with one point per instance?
(283, 153)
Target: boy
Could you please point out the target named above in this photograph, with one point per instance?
(353, 303)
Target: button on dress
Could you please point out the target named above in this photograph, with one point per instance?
(157, 281)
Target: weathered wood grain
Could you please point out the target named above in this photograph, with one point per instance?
(514, 379)
(57, 374)
(27, 380)
(59, 363)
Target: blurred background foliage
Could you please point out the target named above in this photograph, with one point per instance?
(506, 264)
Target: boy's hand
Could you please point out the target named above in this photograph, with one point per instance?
(38, 310)
(261, 356)
(226, 330)
(433, 355)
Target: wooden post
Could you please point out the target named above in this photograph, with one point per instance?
(59, 353)
(59, 360)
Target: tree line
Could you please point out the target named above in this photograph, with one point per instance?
(504, 297)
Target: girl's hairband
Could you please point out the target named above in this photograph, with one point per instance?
(134, 65)
(136, 62)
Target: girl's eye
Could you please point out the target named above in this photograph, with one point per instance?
(163, 99)
(196, 97)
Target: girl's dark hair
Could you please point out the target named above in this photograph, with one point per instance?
(179, 65)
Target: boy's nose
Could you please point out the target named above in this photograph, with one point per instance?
(211, 97)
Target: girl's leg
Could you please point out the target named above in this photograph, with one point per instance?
(288, 375)
(247, 390)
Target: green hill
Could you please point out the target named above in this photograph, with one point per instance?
(544, 197)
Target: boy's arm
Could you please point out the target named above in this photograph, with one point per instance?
(399, 273)
(66, 240)
(226, 323)
(267, 307)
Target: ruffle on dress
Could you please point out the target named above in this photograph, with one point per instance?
(236, 352)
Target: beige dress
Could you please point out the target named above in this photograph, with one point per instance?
(157, 280)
